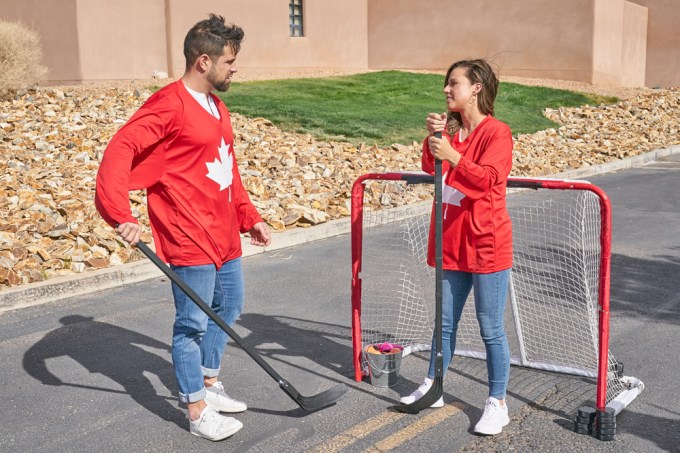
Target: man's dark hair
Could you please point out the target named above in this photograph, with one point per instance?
(209, 37)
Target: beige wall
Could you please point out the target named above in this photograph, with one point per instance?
(627, 42)
(121, 39)
(663, 43)
(607, 41)
(95, 39)
(522, 38)
(338, 43)
(620, 40)
(634, 46)
(55, 21)
(595, 41)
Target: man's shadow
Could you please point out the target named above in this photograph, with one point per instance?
(112, 351)
(285, 339)
(317, 341)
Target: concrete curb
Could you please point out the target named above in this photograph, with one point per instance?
(90, 282)
(622, 164)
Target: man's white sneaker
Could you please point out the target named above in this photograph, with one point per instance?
(217, 399)
(494, 418)
(213, 426)
(422, 390)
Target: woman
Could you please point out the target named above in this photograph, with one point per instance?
(476, 155)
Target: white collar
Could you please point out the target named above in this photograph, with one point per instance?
(206, 101)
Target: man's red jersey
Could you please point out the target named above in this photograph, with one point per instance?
(184, 157)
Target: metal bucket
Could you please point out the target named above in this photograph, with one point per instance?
(383, 369)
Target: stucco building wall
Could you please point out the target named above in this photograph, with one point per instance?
(620, 42)
(634, 45)
(662, 49)
(581, 40)
(56, 22)
(335, 33)
(121, 39)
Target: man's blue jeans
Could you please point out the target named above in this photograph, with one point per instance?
(490, 294)
(197, 342)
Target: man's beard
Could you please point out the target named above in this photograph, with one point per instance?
(219, 85)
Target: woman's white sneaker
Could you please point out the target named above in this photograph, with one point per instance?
(217, 399)
(213, 426)
(422, 390)
(494, 418)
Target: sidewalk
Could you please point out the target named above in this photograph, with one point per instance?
(90, 282)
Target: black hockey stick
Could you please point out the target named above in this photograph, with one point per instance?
(435, 392)
(308, 403)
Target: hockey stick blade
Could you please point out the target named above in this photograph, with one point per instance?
(308, 403)
(315, 402)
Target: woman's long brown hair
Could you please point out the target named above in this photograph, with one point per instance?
(478, 71)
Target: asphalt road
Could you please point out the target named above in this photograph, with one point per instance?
(94, 373)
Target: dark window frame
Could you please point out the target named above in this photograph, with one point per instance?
(296, 18)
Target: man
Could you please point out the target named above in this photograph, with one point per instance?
(179, 146)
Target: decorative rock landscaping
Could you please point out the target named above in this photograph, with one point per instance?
(52, 139)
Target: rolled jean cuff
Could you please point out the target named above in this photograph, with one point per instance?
(210, 373)
(192, 397)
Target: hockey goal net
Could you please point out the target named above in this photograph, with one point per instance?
(557, 315)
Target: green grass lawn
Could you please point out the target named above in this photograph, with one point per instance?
(383, 107)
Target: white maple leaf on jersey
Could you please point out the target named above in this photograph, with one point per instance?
(451, 195)
(220, 170)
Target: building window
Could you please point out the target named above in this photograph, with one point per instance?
(295, 7)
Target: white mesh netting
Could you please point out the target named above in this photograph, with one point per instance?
(552, 311)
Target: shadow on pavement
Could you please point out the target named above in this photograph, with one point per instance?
(286, 339)
(325, 344)
(112, 351)
(638, 284)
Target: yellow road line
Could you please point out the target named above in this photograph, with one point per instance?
(357, 432)
(419, 427)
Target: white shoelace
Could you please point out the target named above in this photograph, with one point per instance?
(209, 416)
(490, 410)
(219, 388)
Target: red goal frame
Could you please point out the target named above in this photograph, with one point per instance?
(357, 206)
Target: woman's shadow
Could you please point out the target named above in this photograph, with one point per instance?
(112, 351)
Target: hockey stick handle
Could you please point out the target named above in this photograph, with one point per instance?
(439, 259)
(208, 311)
(436, 390)
(308, 403)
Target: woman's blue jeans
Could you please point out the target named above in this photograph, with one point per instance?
(197, 342)
(490, 295)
